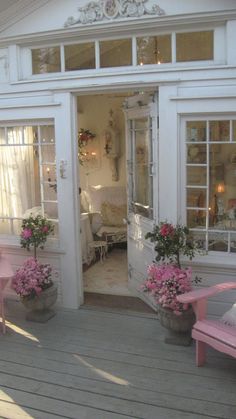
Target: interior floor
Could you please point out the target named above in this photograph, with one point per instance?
(109, 276)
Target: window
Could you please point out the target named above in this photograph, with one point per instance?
(140, 167)
(211, 182)
(194, 46)
(46, 60)
(115, 53)
(80, 56)
(27, 175)
(154, 49)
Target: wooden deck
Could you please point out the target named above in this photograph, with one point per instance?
(105, 364)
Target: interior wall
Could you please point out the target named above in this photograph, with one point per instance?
(94, 115)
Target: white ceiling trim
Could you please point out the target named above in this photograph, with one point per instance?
(18, 11)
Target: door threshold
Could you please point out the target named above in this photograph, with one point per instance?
(120, 302)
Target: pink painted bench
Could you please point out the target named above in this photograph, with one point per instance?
(6, 273)
(210, 332)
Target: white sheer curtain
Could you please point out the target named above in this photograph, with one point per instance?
(16, 173)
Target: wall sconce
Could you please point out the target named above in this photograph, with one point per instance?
(220, 188)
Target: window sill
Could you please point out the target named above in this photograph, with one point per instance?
(214, 260)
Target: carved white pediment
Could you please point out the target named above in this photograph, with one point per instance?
(111, 9)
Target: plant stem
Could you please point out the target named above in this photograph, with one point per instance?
(34, 252)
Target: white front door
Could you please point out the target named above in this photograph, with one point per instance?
(141, 113)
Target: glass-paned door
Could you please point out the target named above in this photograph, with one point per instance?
(141, 114)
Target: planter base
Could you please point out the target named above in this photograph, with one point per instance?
(40, 316)
(176, 338)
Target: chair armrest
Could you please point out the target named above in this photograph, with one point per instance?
(204, 293)
(198, 298)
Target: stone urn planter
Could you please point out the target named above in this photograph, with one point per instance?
(39, 307)
(178, 327)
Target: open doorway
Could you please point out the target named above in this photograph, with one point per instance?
(103, 194)
(118, 137)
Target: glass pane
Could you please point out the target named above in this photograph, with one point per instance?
(154, 49)
(200, 239)
(80, 56)
(234, 130)
(2, 136)
(196, 153)
(222, 185)
(196, 198)
(46, 60)
(50, 210)
(196, 131)
(115, 53)
(30, 135)
(196, 176)
(47, 134)
(196, 218)
(5, 227)
(50, 191)
(194, 46)
(233, 243)
(15, 135)
(142, 193)
(16, 224)
(48, 153)
(218, 242)
(219, 130)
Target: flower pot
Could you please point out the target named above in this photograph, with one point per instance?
(178, 327)
(40, 306)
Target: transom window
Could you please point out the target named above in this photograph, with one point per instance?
(145, 50)
(27, 175)
(211, 182)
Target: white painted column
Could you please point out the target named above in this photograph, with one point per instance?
(68, 200)
(168, 152)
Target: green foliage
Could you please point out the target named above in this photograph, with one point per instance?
(35, 230)
(171, 242)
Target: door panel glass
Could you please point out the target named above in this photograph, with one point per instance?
(142, 190)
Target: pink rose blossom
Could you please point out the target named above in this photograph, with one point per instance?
(26, 233)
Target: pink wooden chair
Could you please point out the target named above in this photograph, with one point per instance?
(215, 333)
(6, 273)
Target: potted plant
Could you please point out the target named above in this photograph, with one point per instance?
(33, 281)
(166, 280)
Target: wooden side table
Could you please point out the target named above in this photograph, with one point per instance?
(101, 246)
(6, 274)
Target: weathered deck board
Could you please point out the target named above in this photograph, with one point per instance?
(105, 364)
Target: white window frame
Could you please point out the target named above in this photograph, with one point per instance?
(183, 178)
(38, 124)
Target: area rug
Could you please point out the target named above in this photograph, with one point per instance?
(110, 276)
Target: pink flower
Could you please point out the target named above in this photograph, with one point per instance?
(166, 230)
(45, 229)
(165, 282)
(26, 233)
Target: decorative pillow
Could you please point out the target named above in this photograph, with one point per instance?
(113, 215)
(230, 316)
(98, 194)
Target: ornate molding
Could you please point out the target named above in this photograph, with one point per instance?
(95, 11)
